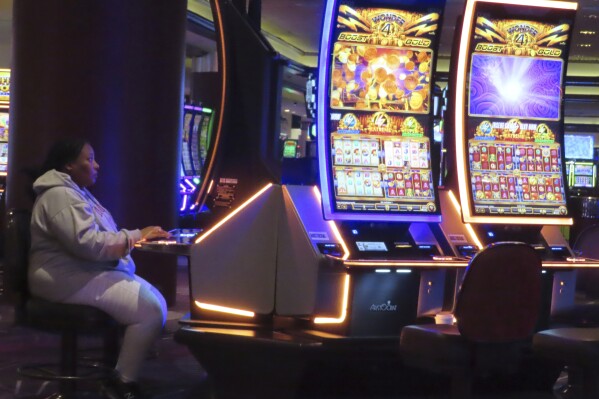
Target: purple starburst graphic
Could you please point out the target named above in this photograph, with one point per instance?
(515, 87)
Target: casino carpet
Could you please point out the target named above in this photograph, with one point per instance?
(171, 372)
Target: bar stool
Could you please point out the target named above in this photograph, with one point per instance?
(67, 320)
(578, 348)
(496, 309)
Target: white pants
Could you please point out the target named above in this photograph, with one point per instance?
(133, 302)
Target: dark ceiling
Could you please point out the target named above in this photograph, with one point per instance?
(298, 23)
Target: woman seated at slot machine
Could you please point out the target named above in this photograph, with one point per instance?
(79, 256)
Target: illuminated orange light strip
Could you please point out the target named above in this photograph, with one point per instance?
(413, 264)
(340, 239)
(469, 228)
(221, 112)
(571, 265)
(547, 265)
(224, 309)
(316, 192)
(459, 108)
(566, 5)
(333, 226)
(525, 220)
(344, 302)
(235, 212)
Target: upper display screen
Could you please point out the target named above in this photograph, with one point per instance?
(515, 87)
(579, 146)
(377, 115)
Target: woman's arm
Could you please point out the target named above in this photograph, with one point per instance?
(75, 227)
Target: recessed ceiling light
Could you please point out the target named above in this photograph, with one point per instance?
(588, 32)
(286, 110)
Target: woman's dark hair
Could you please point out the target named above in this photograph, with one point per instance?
(62, 152)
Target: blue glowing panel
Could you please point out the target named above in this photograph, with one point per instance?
(515, 87)
(579, 147)
(375, 122)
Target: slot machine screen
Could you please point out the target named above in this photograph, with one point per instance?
(290, 149)
(513, 143)
(375, 111)
(4, 132)
(4, 126)
(579, 147)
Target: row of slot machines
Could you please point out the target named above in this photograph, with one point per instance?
(4, 125)
(195, 143)
(373, 246)
(285, 277)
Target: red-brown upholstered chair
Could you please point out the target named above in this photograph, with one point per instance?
(578, 348)
(496, 310)
(584, 312)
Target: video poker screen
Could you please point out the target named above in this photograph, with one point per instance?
(379, 123)
(514, 117)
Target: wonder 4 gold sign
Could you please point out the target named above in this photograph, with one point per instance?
(386, 27)
(520, 38)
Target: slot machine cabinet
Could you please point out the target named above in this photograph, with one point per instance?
(509, 182)
(243, 158)
(4, 126)
(377, 171)
(364, 271)
(581, 168)
(244, 97)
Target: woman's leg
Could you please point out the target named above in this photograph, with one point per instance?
(133, 302)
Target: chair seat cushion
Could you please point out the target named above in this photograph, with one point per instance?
(577, 346)
(434, 346)
(55, 316)
(580, 315)
(441, 348)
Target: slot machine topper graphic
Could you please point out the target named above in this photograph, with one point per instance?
(377, 64)
(509, 112)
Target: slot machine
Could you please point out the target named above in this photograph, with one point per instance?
(4, 125)
(377, 171)
(358, 256)
(581, 169)
(195, 145)
(508, 180)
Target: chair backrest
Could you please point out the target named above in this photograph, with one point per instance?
(587, 245)
(586, 242)
(16, 253)
(500, 296)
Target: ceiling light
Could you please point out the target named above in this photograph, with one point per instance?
(588, 32)
(286, 110)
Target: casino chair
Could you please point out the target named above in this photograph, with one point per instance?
(496, 309)
(69, 321)
(584, 312)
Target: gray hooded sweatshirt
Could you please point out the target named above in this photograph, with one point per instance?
(73, 239)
